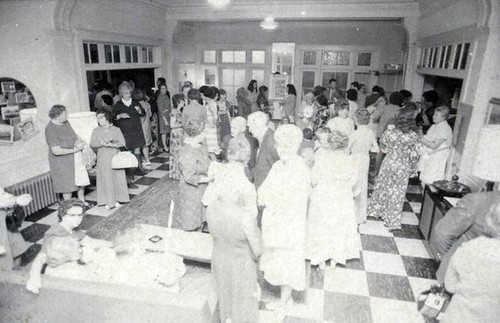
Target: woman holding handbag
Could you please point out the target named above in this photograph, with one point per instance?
(111, 183)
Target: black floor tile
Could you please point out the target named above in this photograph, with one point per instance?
(161, 160)
(30, 254)
(420, 267)
(414, 181)
(409, 231)
(346, 308)
(414, 197)
(163, 167)
(390, 286)
(316, 278)
(37, 216)
(131, 196)
(379, 244)
(34, 232)
(407, 207)
(146, 180)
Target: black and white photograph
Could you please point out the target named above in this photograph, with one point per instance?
(9, 112)
(264, 161)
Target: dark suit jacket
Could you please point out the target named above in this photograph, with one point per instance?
(462, 223)
(266, 157)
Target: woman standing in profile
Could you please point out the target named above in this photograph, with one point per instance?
(232, 218)
(244, 104)
(400, 145)
(63, 145)
(290, 102)
(253, 92)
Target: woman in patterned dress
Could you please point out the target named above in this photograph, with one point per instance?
(223, 123)
(322, 114)
(176, 135)
(400, 145)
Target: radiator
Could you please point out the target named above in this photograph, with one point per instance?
(41, 190)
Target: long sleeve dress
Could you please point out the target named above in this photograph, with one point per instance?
(289, 104)
(232, 219)
(193, 163)
(252, 96)
(432, 163)
(331, 224)
(474, 280)
(111, 183)
(361, 143)
(130, 127)
(164, 107)
(390, 187)
(146, 123)
(176, 138)
(284, 194)
(211, 128)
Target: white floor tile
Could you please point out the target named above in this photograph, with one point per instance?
(157, 173)
(416, 206)
(376, 228)
(50, 219)
(155, 165)
(412, 247)
(164, 155)
(383, 263)
(347, 281)
(409, 218)
(312, 308)
(269, 317)
(393, 311)
(418, 285)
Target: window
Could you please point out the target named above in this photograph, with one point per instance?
(90, 53)
(308, 81)
(335, 58)
(232, 79)
(448, 56)
(147, 54)
(442, 59)
(463, 64)
(309, 58)
(209, 56)
(435, 57)
(135, 56)
(209, 74)
(258, 57)
(112, 53)
(258, 75)
(283, 59)
(234, 56)
(128, 54)
(364, 59)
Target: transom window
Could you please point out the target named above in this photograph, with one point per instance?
(448, 56)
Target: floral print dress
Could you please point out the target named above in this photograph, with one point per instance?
(390, 187)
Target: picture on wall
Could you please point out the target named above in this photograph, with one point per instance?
(22, 97)
(277, 88)
(9, 112)
(494, 112)
(8, 87)
(6, 134)
(27, 128)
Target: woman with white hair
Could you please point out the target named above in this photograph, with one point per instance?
(305, 112)
(232, 219)
(284, 195)
(473, 276)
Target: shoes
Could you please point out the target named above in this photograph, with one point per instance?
(132, 186)
(109, 207)
(146, 166)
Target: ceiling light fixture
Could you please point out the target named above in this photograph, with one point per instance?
(269, 23)
(219, 3)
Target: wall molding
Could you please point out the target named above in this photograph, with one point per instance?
(62, 14)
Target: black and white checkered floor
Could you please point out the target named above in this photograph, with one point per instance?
(382, 286)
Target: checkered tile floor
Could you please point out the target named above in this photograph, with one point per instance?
(381, 286)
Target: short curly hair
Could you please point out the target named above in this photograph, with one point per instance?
(444, 110)
(362, 116)
(64, 206)
(56, 111)
(239, 150)
(341, 105)
(106, 112)
(338, 140)
(405, 120)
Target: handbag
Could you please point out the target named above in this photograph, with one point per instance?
(433, 302)
(124, 159)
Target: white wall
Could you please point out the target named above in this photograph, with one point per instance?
(47, 60)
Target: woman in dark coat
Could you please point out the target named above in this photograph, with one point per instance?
(127, 115)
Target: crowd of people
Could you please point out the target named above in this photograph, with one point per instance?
(273, 193)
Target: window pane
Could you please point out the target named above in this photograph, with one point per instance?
(364, 59)
(434, 59)
(429, 60)
(286, 69)
(227, 57)
(447, 63)
(94, 54)
(240, 78)
(86, 53)
(426, 53)
(135, 56)
(258, 57)
(209, 56)
(336, 58)
(258, 75)
(150, 54)
(309, 58)
(341, 78)
(107, 54)
(227, 77)
(308, 79)
(209, 76)
(144, 51)
(443, 52)
(128, 54)
(457, 56)
(463, 64)
(240, 57)
(116, 54)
